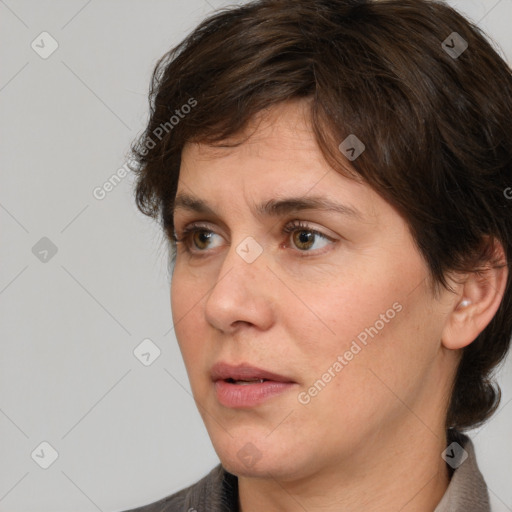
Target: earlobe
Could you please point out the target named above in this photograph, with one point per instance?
(475, 306)
(464, 303)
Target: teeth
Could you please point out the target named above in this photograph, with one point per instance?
(244, 382)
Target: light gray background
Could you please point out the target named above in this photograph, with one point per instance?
(126, 434)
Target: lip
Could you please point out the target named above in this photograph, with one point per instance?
(223, 371)
(233, 395)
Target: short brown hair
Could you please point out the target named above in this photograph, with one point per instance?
(436, 124)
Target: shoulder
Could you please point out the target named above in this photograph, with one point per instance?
(217, 491)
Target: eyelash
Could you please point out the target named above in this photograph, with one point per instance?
(186, 236)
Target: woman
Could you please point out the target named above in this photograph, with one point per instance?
(332, 177)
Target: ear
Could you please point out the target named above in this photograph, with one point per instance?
(477, 301)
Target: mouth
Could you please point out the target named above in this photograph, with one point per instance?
(244, 382)
(245, 386)
(244, 374)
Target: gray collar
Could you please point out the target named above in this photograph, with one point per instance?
(467, 491)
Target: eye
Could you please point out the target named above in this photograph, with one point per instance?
(305, 238)
(197, 238)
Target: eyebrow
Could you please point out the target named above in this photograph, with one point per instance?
(273, 207)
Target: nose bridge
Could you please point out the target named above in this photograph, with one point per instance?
(243, 265)
(241, 292)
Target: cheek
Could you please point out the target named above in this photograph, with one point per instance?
(355, 387)
(186, 307)
(188, 287)
(367, 333)
(336, 314)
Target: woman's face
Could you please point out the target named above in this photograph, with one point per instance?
(335, 302)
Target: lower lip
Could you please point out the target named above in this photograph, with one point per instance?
(249, 395)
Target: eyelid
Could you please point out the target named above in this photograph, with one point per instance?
(194, 225)
(298, 224)
(191, 228)
(288, 228)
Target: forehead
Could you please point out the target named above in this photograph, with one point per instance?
(276, 157)
(283, 131)
(277, 145)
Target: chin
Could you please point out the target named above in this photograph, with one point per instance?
(257, 455)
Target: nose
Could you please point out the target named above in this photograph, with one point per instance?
(242, 294)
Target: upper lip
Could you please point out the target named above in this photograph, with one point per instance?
(223, 371)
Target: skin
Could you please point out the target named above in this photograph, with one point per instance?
(372, 438)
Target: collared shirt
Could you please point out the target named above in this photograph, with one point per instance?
(218, 490)
(467, 491)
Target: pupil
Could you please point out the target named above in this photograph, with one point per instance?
(202, 238)
(305, 238)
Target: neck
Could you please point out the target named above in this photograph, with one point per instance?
(405, 472)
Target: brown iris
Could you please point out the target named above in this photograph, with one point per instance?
(201, 237)
(303, 239)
